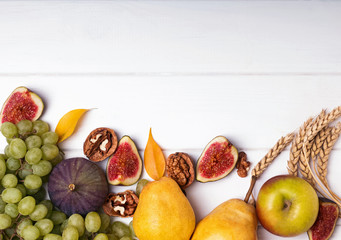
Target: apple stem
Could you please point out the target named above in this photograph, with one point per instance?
(249, 192)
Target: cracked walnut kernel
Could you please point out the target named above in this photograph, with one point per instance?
(121, 204)
(179, 167)
(243, 165)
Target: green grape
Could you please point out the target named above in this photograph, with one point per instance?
(40, 127)
(11, 210)
(2, 205)
(33, 141)
(17, 148)
(56, 230)
(5, 221)
(13, 164)
(26, 205)
(42, 168)
(33, 181)
(126, 238)
(11, 195)
(40, 195)
(63, 225)
(52, 236)
(58, 217)
(39, 212)
(140, 185)
(77, 221)
(6, 150)
(9, 181)
(9, 130)
(120, 229)
(57, 159)
(49, 138)
(24, 127)
(25, 171)
(30, 232)
(33, 156)
(47, 204)
(22, 224)
(45, 226)
(112, 236)
(2, 168)
(105, 222)
(101, 236)
(32, 192)
(22, 189)
(70, 233)
(92, 222)
(50, 151)
(132, 229)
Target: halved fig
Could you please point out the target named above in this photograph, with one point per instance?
(217, 160)
(22, 104)
(325, 223)
(125, 165)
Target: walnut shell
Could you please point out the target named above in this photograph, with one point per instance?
(100, 144)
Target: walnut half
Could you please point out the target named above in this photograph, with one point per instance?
(100, 144)
(179, 166)
(121, 204)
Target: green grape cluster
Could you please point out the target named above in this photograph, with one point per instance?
(95, 226)
(29, 157)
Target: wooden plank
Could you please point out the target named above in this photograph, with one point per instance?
(247, 37)
(185, 111)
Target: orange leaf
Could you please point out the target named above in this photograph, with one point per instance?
(68, 123)
(154, 160)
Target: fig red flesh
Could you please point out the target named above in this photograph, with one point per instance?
(325, 223)
(125, 166)
(21, 104)
(217, 160)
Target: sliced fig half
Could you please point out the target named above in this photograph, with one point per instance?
(124, 167)
(326, 220)
(22, 104)
(217, 160)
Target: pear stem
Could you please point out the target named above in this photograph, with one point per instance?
(249, 192)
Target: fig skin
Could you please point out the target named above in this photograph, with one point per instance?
(77, 185)
(223, 153)
(325, 223)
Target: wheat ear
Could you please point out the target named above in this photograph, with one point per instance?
(281, 144)
(296, 148)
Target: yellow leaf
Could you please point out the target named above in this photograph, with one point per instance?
(154, 160)
(68, 123)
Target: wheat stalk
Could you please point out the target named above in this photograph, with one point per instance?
(281, 144)
(296, 148)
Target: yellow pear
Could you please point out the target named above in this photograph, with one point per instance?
(163, 212)
(231, 220)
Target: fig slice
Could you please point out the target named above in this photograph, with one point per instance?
(124, 167)
(326, 220)
(217, 160)
(22, 104)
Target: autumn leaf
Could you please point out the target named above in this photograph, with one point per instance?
(154, 160)
(67, 124)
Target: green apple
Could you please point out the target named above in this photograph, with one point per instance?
(287, 205)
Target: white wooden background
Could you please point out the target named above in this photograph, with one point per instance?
(249, 70)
